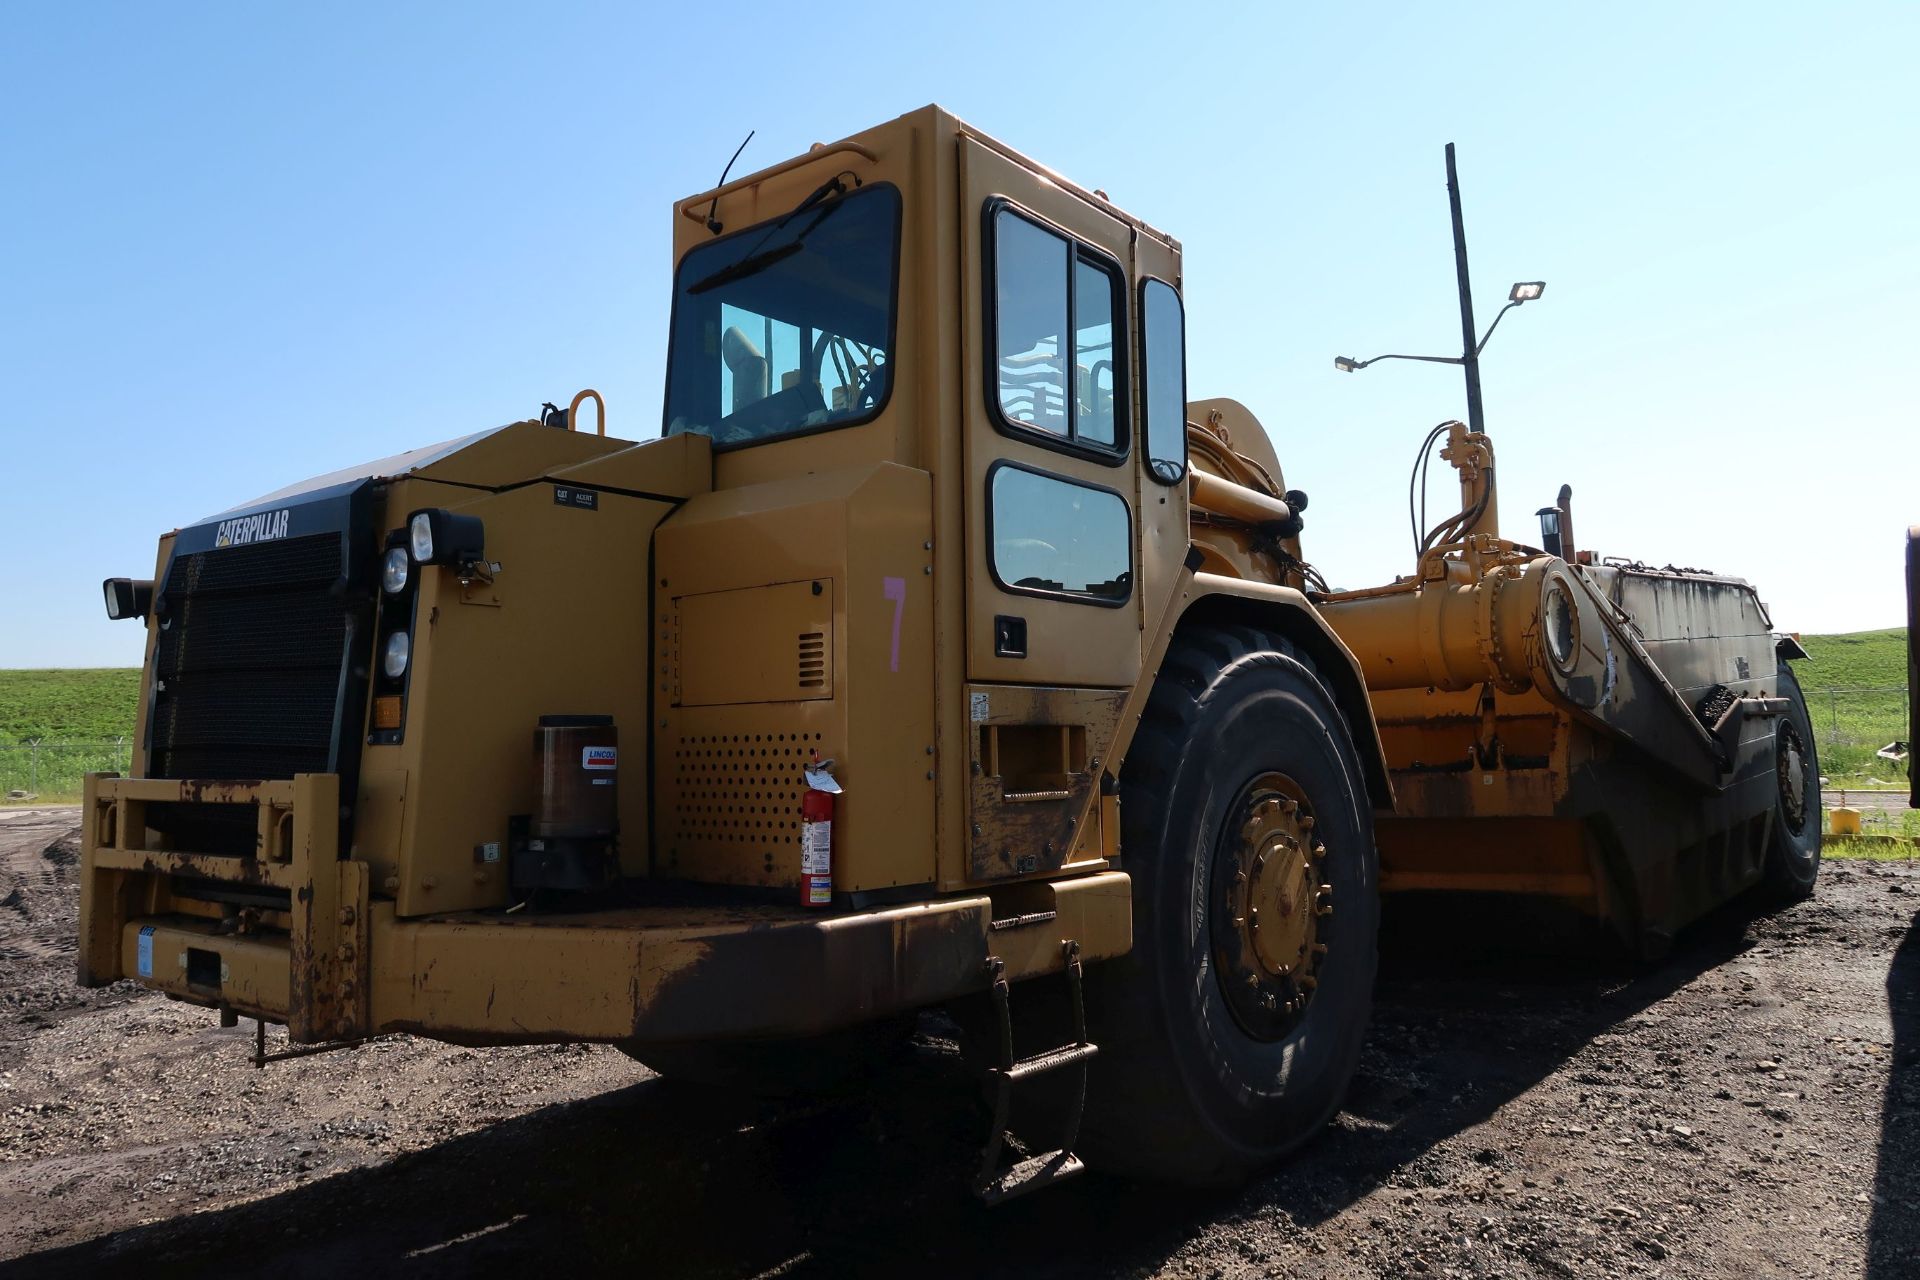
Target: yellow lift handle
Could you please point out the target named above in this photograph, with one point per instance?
(573, 410)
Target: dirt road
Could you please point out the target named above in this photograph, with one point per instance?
(1751, 1108)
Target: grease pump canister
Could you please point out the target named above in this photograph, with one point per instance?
(578, 764)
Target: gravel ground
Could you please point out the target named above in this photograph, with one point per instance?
(1747, 1109)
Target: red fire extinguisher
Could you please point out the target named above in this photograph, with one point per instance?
(816, 834)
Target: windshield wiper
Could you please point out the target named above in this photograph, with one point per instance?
(758, 260)
(752, 264)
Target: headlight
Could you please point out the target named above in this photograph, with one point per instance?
(438, 536)
(394, 663)
(420, 531)
(127, 598)
(394, 574)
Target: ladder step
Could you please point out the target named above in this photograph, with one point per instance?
(1051, 1060)
(1032, 1174)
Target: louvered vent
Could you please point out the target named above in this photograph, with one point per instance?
(813, 660)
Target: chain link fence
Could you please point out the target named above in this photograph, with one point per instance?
(1852, 726)
(45, 769)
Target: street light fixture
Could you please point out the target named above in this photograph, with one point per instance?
(1469, 357)
(1526, 291)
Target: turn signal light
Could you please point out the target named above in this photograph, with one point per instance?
(386, 711)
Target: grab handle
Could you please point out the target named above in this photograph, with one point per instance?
(573, 411)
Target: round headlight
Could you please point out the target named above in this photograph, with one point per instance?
(395, 661)
(420, 533)
(393, 574)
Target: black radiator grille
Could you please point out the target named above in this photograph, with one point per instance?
(249, 661)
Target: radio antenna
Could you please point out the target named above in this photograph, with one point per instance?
(713, 223)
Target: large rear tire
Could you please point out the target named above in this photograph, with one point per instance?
(1228, 1035)
(1793, 853)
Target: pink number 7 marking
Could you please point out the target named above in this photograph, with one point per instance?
(895, 589)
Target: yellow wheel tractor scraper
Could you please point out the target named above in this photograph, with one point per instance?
(939, 651)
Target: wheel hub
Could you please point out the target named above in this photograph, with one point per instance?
(1270, 905)
(1790, 766)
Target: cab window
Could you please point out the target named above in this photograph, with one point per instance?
(787, 327)
(1163, 394)
(1058, 537)
(1058, 309)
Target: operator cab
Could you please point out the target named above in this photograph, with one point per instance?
(967, 373)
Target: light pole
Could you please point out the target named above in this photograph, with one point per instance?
(1470, 349)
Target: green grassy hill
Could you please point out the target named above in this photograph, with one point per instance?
(1855, 685)
(67, 705)
(1859, 659)
(1856, 688)
(58, 725)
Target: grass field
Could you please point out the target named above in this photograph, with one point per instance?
(58, 725)
(1871, 849)
(1855, 686)
(60, 704)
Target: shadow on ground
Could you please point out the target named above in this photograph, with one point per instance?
(679, 1182)
(1893, 1235)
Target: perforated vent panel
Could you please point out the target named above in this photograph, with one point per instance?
(738, 796)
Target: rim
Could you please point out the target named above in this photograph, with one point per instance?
(1793, 770)
(1270, 907)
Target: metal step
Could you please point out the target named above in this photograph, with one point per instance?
(1052, 1059)
(1031, 1174)
(994, 1184)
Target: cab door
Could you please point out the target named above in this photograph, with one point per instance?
(1053, 609)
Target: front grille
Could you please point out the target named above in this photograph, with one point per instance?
(249, 661)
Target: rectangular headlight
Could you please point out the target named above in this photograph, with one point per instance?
(127, 598)
(438, 536)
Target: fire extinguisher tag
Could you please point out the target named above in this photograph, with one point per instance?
(599, 757)
(820, 780)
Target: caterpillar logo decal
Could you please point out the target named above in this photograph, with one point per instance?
(241, 530)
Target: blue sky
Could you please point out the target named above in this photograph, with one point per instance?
(240, 245)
